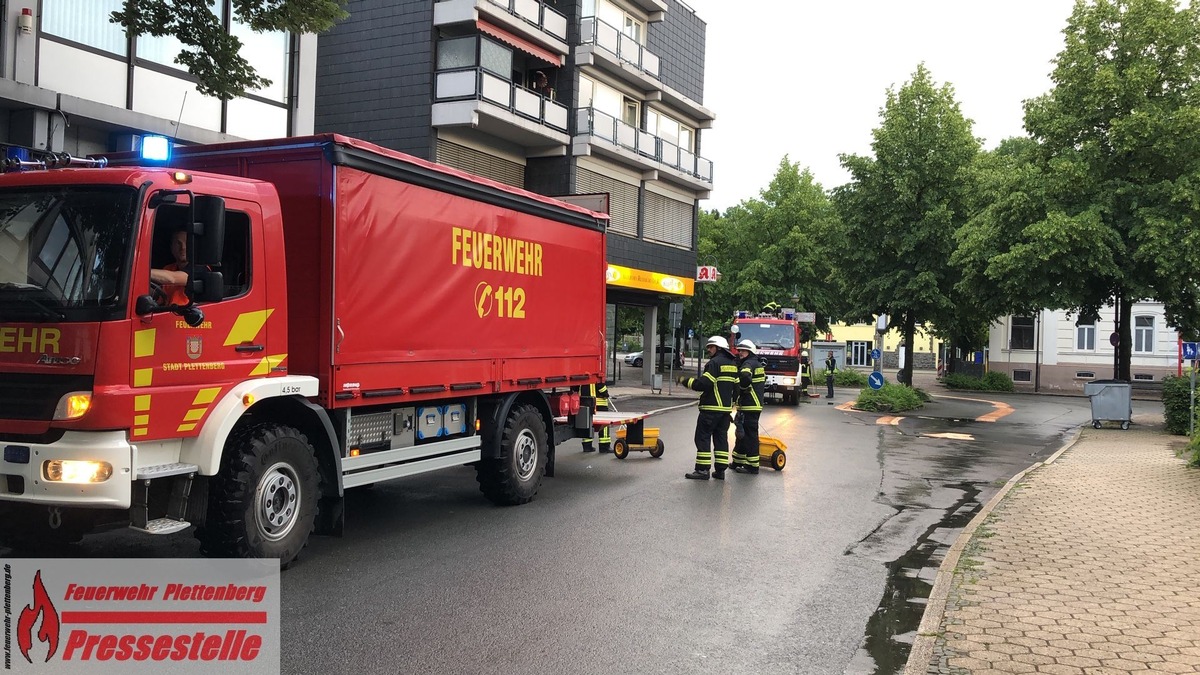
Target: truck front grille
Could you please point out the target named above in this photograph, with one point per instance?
(33, 396)
(780, 364)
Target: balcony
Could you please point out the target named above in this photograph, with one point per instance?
(604, 46)
(475, 98)
(529, 19)
(606, 135)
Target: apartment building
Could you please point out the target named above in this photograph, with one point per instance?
(70, 80)
(1053, 350)
(596, 101)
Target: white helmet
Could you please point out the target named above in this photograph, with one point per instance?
(718, 341)
(748, 346)
(804, 353)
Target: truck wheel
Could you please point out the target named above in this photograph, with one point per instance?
(263, 502)
(515, 476)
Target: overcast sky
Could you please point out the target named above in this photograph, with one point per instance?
(807, 78)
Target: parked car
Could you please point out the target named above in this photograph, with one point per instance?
(664, 357)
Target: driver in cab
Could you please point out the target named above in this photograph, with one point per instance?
(172, 279)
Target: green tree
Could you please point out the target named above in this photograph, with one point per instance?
(902, 207)
(1102, 210)
(770, 249)
(212, 55)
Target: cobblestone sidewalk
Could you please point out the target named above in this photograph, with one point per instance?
(1089, 565)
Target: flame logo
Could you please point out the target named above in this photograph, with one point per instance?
(48, 631)
(483, 299)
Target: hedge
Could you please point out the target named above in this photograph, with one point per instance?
(891, 398)
(1176, 399)
(843, 377)
(991, 381)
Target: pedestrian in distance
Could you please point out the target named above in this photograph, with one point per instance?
(830, 367)
(717, 386)
(752, 385)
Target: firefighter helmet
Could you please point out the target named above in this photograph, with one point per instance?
(718, 341)
(748, 346)
(804, 353)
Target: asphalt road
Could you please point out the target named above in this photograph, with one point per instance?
(626, 567)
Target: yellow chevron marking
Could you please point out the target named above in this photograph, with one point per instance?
(141, 420)
(139, 432)
(247, 326)
(141, 403)
(206, 396)
(143, 343)
(186, 427)
(142, 377)
(267, 364)
(194, 414)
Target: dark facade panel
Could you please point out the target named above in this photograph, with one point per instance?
(679, 42)
(644, 255)
(375, 75)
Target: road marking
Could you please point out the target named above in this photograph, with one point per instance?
(1001, 409)
(952, 436)
(894, 421)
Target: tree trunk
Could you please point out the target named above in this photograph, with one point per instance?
(1125, 331)
(910, 329)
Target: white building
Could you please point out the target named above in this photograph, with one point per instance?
(1055, 350)
(70, 80)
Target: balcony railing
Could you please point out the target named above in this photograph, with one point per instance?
(477, 83)
(602, 125)
(610, 39)
(536, 13)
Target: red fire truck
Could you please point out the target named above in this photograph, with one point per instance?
(351, 315)
(780, 341)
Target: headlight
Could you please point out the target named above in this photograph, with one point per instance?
(789, 380)
(75, 471)
(74, 405)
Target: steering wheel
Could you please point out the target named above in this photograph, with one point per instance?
(158, 293)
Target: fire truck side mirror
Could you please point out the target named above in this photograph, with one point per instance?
(209, 227)
(145, 305)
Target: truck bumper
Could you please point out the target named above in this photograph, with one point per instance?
(783, 382)
(23, 482)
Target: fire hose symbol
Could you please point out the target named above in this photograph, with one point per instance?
(483, 299)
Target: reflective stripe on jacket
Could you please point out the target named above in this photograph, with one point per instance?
(718, 384)
(752, 384)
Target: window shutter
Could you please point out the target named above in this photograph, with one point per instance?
(623, 199)
(480, 163)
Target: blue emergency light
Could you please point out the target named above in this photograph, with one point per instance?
(743, 314)
(156, 148)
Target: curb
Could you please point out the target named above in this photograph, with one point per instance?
(921, 655)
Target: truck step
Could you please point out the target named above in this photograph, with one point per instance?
(162, 526)
(164, 470)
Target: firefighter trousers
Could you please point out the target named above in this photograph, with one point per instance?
(712, 438)
(605, 432)
(745, 450)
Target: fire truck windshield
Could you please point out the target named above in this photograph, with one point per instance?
(768, 335)
(64, 252)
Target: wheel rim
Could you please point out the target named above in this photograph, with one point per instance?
(525, 450)
(278, 499)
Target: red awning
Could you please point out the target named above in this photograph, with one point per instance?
(522, 44)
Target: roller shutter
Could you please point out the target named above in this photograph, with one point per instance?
(480, 163)
(668, 221)
(623, 200)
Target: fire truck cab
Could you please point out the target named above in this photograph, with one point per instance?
(778, 337)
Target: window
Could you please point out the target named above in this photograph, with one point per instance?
(268, 54)
(1143, 377)
(1085, 335)
(1085, 375)
(629, 112)
(1143, 334)
(1021, 336)
(585, 93)
(456, 53)
(633, 29)
(85, 22)
(496, 58)
(1022, 376)
(859, 353)
(163, 50)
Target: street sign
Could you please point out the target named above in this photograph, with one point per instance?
(691, 334)
(806, 317)
(1190, 351)
(675, 312)
(875, 354)
(707, 273)
(1114, 339)
(875, 380)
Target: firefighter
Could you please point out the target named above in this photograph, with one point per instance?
(752, 384)
(600, 393)
(717, 387)
(830, 367)
(805, 374)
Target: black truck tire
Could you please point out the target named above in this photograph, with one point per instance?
(263, 501)
(515, 476)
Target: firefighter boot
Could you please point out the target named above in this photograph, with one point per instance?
(745, 468)
(719, 473)
(701, 473)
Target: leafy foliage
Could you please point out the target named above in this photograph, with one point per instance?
(842, 377)
(212, 55)
(1100, 206)
(908, 200)
(1176, 402)
(991, 381)
(890, 398)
